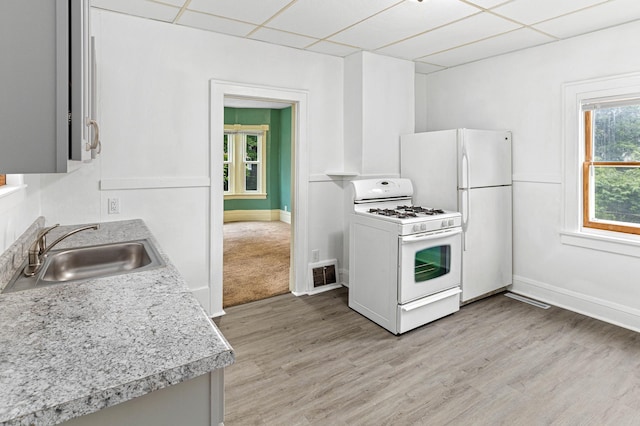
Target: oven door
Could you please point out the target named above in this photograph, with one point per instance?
(429, 263)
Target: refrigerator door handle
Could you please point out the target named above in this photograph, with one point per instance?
(466, 170)
(465, 211)
(466, 186)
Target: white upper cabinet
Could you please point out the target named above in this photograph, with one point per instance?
(45, 85)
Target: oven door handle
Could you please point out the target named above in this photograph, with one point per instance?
(430, 299)
(410, 239)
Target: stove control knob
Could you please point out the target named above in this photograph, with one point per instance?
(416, 228)
(423, 227)
(450, 223)
(444, 224)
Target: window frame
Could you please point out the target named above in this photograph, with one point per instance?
(571, 230)
(588, 172)
(237, 160)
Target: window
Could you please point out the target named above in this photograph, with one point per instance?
(611, 166)
(245, 161)
(585, 222)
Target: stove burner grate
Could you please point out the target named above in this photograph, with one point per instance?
(403, 212)
(418, 209)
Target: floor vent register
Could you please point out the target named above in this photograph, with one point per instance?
(527, 300)
(324, 274)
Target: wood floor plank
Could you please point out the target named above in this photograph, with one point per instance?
(311, 360)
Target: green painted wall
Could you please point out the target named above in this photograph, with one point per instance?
(278, 162)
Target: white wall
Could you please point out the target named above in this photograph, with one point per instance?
(154, 112)
(379, 107)
(18, 210)
(523, 92)
(421, 103)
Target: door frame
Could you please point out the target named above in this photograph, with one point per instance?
(299, 180)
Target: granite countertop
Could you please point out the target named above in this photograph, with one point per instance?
(75, 348)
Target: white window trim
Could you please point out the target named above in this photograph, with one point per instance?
(573, 233)
(261, 193)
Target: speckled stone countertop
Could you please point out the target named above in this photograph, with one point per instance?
(75, 348)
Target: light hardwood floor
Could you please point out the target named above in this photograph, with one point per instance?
(312, 360)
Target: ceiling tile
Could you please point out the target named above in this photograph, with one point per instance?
(468, 30)
(253, 11)
(321, 18)
(142, 8)
(335, 49)
(514, 40)
(213, 23)
(177, 3)
(437, 32)
(424, 68)
(283, 38)
(487, 4)
(532, 11)
(591, 19)
(402, 21)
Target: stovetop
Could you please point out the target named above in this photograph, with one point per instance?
(403, 212)
(390, 203)
(410, 219)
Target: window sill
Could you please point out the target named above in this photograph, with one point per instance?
(611, 242)
(260, 196)
(7, 190)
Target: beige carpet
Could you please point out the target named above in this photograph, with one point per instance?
(256, 261)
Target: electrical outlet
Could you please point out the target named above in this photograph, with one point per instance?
(113, 206)
(315, 255)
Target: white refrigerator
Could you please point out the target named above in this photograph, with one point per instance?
(468, 171)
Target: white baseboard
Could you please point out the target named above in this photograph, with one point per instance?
(594, 307)
(344, 277)
(202, 295)
(323, 288)
(217, 314)
(285, 216)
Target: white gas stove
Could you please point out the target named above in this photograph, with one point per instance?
(404, 259)
(390, 200)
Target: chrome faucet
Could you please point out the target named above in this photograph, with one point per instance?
(39, 248)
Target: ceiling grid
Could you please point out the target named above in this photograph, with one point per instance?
(435, 34)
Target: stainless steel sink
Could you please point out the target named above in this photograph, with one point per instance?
(84, 263)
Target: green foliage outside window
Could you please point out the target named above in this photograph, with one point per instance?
(617, 139)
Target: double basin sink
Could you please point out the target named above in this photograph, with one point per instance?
(83, 263)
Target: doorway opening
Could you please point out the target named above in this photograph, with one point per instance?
(257, 185)
(229, 92)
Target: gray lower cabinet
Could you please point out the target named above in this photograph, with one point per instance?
(44, 85)
(196, 402)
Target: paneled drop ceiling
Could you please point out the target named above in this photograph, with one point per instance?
(436, 34)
